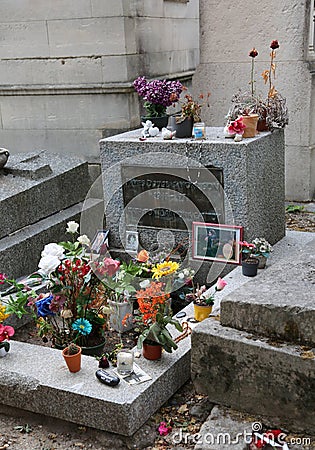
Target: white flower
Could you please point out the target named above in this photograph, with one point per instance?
(84, 240)
(181, 276)
(144, 284)
(106, 310)
(72, 227)
(53, 250)
(66, 313)
(48, 264)
(186, 272)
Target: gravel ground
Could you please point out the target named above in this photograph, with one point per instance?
(27, 431)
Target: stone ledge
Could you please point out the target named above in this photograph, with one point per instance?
(279, 302)
(237, 370)
(37, 185)
(37, 378)
(30, 240)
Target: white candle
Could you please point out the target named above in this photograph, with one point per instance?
(125, 362)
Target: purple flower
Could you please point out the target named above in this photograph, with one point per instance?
(158, 91)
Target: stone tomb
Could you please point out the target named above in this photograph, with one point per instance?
(218, 180)
(37, 199)
(82, 399)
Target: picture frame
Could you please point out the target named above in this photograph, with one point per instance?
(100, 242)
(216, 242)
(132, 241)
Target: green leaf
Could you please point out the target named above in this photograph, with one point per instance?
(294, 208)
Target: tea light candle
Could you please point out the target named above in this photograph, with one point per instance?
(199, 130)
(125, 362)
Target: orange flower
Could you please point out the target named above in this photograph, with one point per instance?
(143, 256)
(149, 301)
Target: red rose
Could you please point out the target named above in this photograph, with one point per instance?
(274, 45)
(253, 53)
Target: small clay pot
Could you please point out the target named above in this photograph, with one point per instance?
(151, 350)
(251, 125)
(73, 361)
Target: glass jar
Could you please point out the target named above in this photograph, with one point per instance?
(125, 360)
(199, 130)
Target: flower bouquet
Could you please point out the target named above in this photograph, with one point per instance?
(154, 316)
(71, 310)
(203, 299)
(249, 261)
(157, 96)
(272, 112)
(6, 331)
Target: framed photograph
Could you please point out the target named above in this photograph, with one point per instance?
(216, 242)
(132, 241)
(100, 242)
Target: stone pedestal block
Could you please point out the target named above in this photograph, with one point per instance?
(279, 303)
(38, 184)
(236, 369)
(253, 179)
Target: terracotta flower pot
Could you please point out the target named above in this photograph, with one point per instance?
(73, 361)
(202, 312)
(251, 125)
(152, 351)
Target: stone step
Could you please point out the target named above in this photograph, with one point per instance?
(20, 252)
(36, 379)
(38, 184)
(237, 370)
(279, 302)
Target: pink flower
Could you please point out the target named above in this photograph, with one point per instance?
(237, 126)
(2, 278)
(111, 266)
(163, 429)
(220, 284)
(6, 332)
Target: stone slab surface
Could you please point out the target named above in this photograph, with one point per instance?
(224, 429)
(35, 185)
(254, 197)
(279, 302)
(237, 370)
(29, 374)
(20, 252)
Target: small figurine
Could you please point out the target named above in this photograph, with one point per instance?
(168, 134)
(4, 155)
(146, 125)
(238, 138)
(153, 131)
(149, 130)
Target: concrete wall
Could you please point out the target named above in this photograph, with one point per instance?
(66, 68)
(228, 32)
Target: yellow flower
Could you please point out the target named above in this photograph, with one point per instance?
(165, 268)
(3, 315)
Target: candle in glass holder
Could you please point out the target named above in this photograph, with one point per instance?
(199, 130)
(125, 362)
